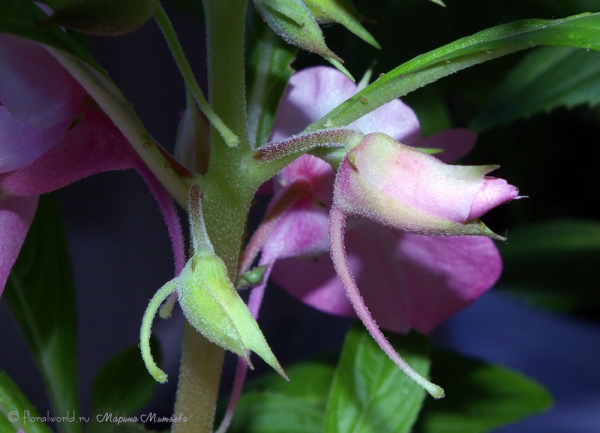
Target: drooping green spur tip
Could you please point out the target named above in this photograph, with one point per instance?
(103, 17)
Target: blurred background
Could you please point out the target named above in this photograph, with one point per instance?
(541, 320)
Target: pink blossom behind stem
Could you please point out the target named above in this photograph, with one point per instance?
(52, 134)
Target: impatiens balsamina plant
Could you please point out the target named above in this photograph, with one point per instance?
(371, 214)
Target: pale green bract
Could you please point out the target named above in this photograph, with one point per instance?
(209, 302)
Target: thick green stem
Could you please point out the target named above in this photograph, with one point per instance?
(226, 199)
(199, 377)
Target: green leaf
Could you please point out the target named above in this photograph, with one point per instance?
(369, 392)
(23, 18)
(479, 396)
(546, 79)
(272, 405)
(41, 296)
(554, 264)
(123, 385)
(268, 71)
(16, 412)
(103, 17)
(576, 31)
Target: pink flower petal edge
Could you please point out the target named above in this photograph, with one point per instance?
(16, 215)
(52, 134)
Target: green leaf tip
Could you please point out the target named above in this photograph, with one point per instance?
(438, 2)
(294, 22)
(344, 13)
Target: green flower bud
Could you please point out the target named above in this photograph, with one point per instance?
(343, 12)
(103, 17)
(251, 278)
(213, 306)
(294, 22)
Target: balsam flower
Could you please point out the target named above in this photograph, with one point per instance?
(408, 280)
(51, 134)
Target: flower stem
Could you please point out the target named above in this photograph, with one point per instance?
(199, 377)
(188, 76)
(225, 204)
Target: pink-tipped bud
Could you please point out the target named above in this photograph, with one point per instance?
(404, 188)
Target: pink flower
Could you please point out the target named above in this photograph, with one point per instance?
(404, 188)
(407, 281)
(51, 134)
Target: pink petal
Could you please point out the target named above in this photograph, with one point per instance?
(456, 143)
(313, 170)
(34, 87)
(92, 146)
(395, 119)
(21, 143)
(402, 187)
(301, 231)
(16, 215)
(407, 281)
(303, 100)
(494, 192)
(314, 92)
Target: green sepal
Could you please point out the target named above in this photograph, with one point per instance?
(103, 17)
(294, 22)
(344, 13)
(214, 308)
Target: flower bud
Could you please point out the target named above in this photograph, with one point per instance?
(404, 188)
(342, 12)
(103, 17)
(294, 22)
(212, 306)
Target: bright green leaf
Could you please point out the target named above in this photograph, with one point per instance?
(546, 79)
(576, 31)
(369, 393)
(554, 264)
(41, 296)
(16, 412)
(23, 18)
(268, 71)
(479, 396)
(272, 405)
(123, 386)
